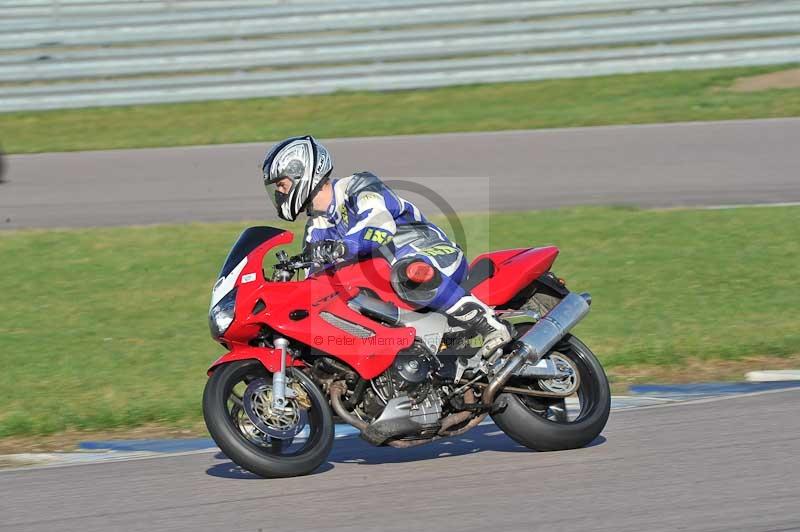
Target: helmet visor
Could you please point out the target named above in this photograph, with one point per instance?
(278, 190)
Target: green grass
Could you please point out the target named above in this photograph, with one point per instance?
(107, 327)
(621, 99)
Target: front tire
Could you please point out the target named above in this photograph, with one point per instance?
(249, 448)
(543, 424)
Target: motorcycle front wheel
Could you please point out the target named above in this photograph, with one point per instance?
(237, 412)
(554, 424)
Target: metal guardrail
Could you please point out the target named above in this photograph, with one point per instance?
(234, 46)
(248, 23)
(396, 9)
(644, 14)
(233, 9)
(370, 45)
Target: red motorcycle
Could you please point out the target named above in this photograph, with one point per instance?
(341, 341)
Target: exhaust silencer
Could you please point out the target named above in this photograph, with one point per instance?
(547, 332)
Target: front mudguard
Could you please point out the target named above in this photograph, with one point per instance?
(269, 358)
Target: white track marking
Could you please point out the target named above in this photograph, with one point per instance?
(674, 403)
(749, 205)
(705, 400)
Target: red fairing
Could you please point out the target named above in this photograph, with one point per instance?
(270, 358)
(514, 269)
(314, 312)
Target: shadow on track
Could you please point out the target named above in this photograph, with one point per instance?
(355, 451)
(228, 469)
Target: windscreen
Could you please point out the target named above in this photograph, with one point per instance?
(250, 239)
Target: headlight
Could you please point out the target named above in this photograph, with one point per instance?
(221, 315)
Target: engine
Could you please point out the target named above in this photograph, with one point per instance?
(403, 402)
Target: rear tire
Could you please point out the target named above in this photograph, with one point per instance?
(265, 460)
(532, 429)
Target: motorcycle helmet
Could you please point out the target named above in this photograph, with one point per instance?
(305, 163)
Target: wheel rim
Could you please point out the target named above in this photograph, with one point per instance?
(283, 424)
(301, 430)
(565, 385)
(579, 405)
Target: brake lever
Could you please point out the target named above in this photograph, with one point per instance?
(303, 265)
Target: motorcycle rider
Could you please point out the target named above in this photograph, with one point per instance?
(358, 216)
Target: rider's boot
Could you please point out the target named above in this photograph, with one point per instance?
(472, 314)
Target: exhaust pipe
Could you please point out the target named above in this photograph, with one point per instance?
(538, 341)
(531, 347)
(337, 390)
(548, 331)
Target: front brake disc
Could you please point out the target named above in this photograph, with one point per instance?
(282, 424)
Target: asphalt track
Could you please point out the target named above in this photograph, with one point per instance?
(730, 464)
(652, 165)
(712, 465)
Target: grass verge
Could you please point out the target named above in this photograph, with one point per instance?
(620, 99)
(106, 328)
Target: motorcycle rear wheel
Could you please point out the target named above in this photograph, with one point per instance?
(245, 445)
(543, 424)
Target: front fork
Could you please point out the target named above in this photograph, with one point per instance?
(279, 390)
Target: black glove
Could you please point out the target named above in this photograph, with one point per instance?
(328, 251)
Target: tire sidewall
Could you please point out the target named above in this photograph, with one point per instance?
(531, 430)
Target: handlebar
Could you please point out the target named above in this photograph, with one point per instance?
(287, 266)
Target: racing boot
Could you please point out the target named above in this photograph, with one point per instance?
(473, 315)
